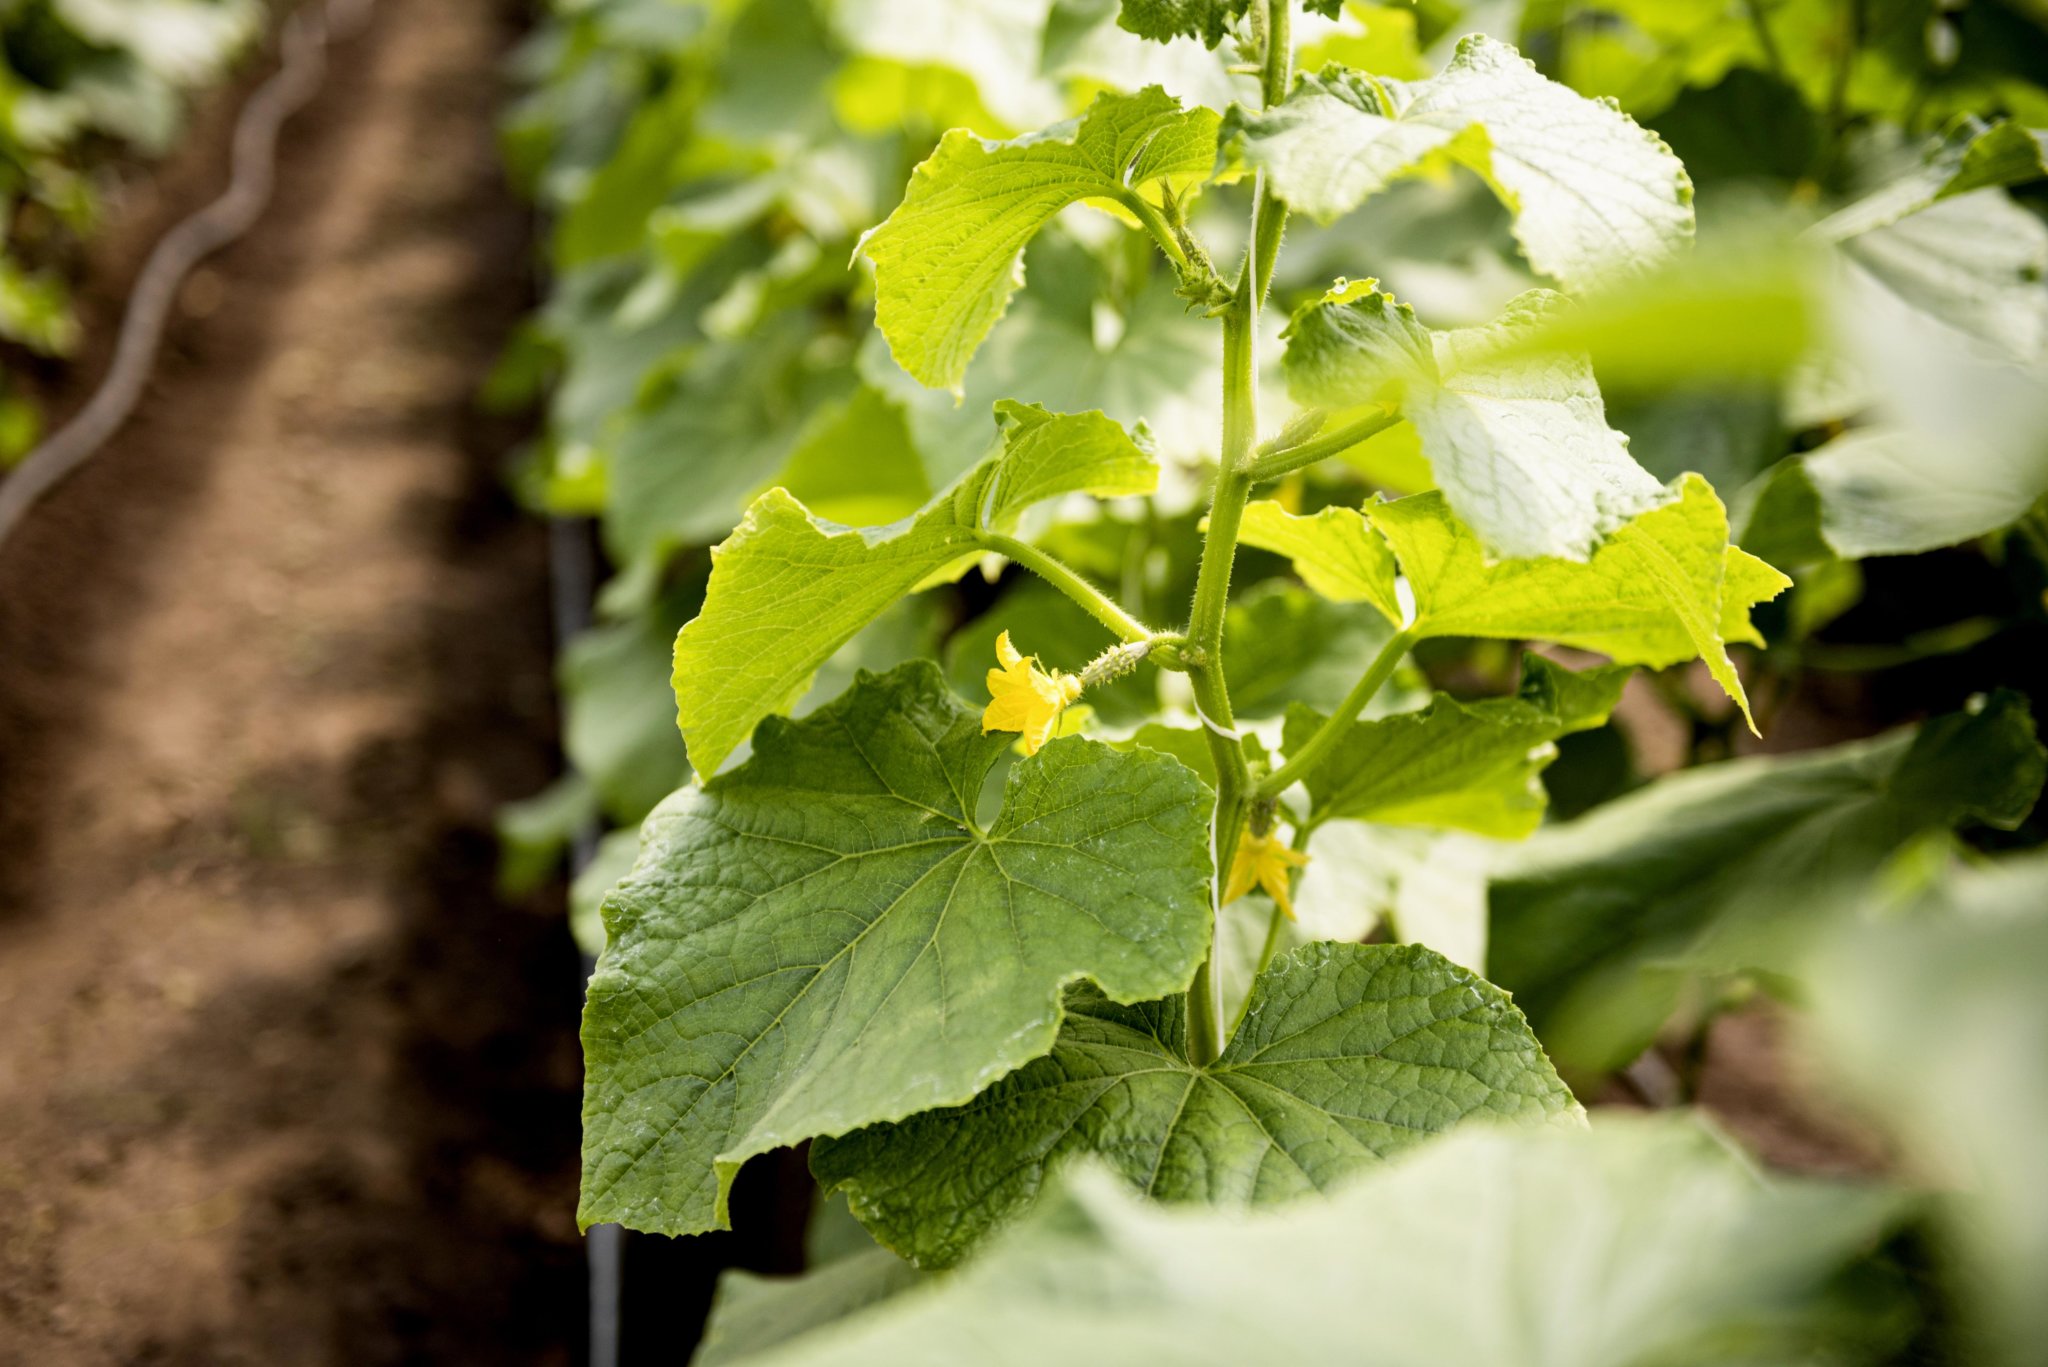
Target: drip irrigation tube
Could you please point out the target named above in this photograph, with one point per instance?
(572, 575)
(303, 67)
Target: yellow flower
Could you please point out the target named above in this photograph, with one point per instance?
(1263, 861)
(1023, 697)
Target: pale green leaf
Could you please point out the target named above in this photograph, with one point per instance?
(1974, 263)
(752, 1314)
(1664, 588)
(1453, 765)
(1893, 491)
(825, 939)
(1427, 887)
(1347, 1055)
(951, 255)
(1595, 198)
(1333, 551)
(1729, 866)
(983, 40)
(787, 589)
(1968, 155)
(1644, 1240)
(1516, 437)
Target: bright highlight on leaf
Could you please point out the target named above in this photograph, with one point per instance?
(1517, 439)
(1025, 698)
(1595, 198)
(951, 255)
(1267, 863)
(825, 938)
(1348, 1055)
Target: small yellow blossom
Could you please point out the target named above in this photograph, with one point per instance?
(1264, 861)
(1023, 697)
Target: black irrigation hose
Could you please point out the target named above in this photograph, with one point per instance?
(572, 577)
(303, 45)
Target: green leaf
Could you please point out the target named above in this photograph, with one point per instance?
(1164, 20)
(1892, 491)
(1457, 766)
(787, 589)
(951, 255)
(1974, 263)
(984, 40)
(1643, 1240)
(1517, 438)
(1727, 867)
(825, 939)
(1076, 339)
(1333, 551)
(1208, 20)
(1595, 198)
(1347, 1055)
(1968, 155)
(1663, 589)
(1282, 645)
(1940, 1022)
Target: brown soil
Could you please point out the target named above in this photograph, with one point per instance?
(281, 1081)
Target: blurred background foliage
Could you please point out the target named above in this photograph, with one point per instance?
(1853, 355)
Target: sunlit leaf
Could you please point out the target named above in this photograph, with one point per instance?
(949, 258)
(787, 589)
(1595, 198)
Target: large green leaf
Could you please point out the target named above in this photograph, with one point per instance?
(1595, 198)
(787, 589)
(1941, 1023)
(1347, 1054)
(950, 256)
(1728, 867)
(1664, 588)
(825, 938)
(1645, 1240)
(1457, 766)
(1516, 438)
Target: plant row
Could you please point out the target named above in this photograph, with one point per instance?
(1231, 641)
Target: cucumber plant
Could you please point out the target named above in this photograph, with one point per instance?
(951, 979)
(1091, 890)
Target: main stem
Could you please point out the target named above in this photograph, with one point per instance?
(1204, 650)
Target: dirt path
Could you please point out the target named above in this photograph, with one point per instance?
(280, 1080)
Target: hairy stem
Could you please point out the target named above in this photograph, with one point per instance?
(1309, 755)
(1226, 513)
(1156, 224)
(1273, 464)
(1090, 599)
